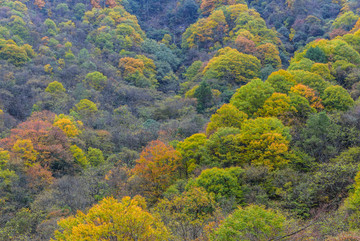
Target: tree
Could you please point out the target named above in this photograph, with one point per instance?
(312, 80)
(191, 150)
(316, 54)
(39, 3)
(245, 45)
(130, 65)
(95, 157)
(24, 149)
(233, 67)
(85, 109)
(207, 6)
(68, 125)
(250, 97)
(95, 3)
(110, 3)
(227, 116)
(309, 94)
(266, 142)
(96, 80)
(352, 203)
(157, 166)
(79, 156)
(345, 21)
(186, 214)
(14, 54)
(206, 31)
(281, 81)
(113, 220)
(337, 98)
(55, 87)
(48, 141)
(319, 137)
(204, 96)
(225, 184)
(269, 55)
(193, 70)
(138, 69)
(252, 223)
(322, 70)
(224, 148)
(278, 105)
(79, 10)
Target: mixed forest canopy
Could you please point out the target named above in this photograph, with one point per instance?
(179, 120)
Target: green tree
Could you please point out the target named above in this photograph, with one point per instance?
(95, 157)
(345, 21)
(250, 97)
(79, 156)
(318, 138)
(252, 223)
(96, 80)
(316, 54)
(191, 150)
(266, 142)
(278, 105)
(337, 98)
(187, 213)
(227, 116)
(86, 109)
(224, 148)
(204, 96)
(55, 87)
(193, 70)
(281, 81)
(225, 184)
(314, 81)
(14, 54)
(233, 67)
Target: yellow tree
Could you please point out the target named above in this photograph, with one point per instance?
(309, 94)
(266, 142)
(126, 220)
(269, 55)
(278, 105)
(227, 116)
(157, 166)
(24, 149)
(232, 66)
(207, 6)
(68, 125)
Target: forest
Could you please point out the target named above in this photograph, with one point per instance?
(179, 120)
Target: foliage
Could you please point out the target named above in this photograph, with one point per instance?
(281, 81)
(95, 157)
(113, 219)
(252, 223)
(204, 96)
(186, 214)
(250, 97)
(226, 116)
(337, 98)
(316, 54)
(157, 165)
(191, 152)
(96, 80)
(232, 66)
(223, 183)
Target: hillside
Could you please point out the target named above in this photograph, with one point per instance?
(179, 120)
